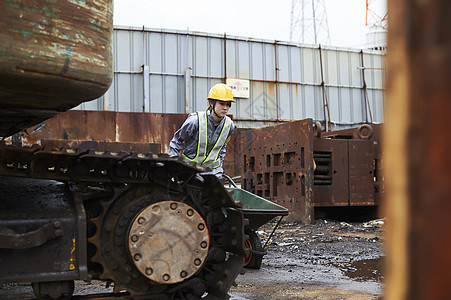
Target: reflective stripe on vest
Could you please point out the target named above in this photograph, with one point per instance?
(210, 159)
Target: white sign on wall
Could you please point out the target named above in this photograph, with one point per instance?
(240, 87)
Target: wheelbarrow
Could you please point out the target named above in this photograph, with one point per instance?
(258, 211)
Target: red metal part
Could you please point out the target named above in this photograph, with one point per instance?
(290, 165)
(104, 130)
(277, 164)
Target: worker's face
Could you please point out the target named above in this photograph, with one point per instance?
(222, 107)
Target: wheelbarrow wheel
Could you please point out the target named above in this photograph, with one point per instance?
(254, 260)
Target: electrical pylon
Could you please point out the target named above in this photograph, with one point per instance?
(309, 22)
(374, 11)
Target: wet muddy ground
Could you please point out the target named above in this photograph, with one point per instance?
(326, 260)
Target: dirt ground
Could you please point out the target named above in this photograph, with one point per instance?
(327, 260)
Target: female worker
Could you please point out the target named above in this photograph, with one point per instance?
(204, 135)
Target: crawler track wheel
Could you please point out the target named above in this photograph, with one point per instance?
(154, 240)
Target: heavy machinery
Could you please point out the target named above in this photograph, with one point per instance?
(145, 223)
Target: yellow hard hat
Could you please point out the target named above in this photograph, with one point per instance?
(220, 92)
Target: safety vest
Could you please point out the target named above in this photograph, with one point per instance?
(210, 159)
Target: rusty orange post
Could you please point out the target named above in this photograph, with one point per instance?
(416, 146)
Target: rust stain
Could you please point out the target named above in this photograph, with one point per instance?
(53, 56)
(108, 127)
(287, 164)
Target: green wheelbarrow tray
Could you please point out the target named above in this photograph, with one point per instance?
(256, 209)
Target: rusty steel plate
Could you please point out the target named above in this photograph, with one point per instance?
(168, 242)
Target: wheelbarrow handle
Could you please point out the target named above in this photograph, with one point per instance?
(231, 182)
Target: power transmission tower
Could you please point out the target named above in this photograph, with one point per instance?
(374, 11)
(309, 22)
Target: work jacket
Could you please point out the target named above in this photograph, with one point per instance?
(203, 142)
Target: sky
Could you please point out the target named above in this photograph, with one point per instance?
(261, 19)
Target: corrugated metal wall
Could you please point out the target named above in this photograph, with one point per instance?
(154, 68)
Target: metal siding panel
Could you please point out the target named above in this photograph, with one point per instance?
(283, 64)
(285, 108)
(378, 104)
(136, 51)
(356, 72)
(170, 53)
(114, 86)
(156, 52)
(358, 106)
(147, 105)
(270, 58)
(346, 107)
(296, 102)
(243, 60)
(318, 103)
(295, 64)
(183, 53)
(170, 94)
(136, 95)
(231, 58)
(124, 90)
(263, 98)
(331, 66)
(257, 62)
(310, 66)
(245, 107)
(122, 47)
(344, 74)
(369, 72)
(156, 93)
(378, 71)
(310, 100)
(270, 101)
(181, 95)
(334, 104)
(200, 57)
(216, 54)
